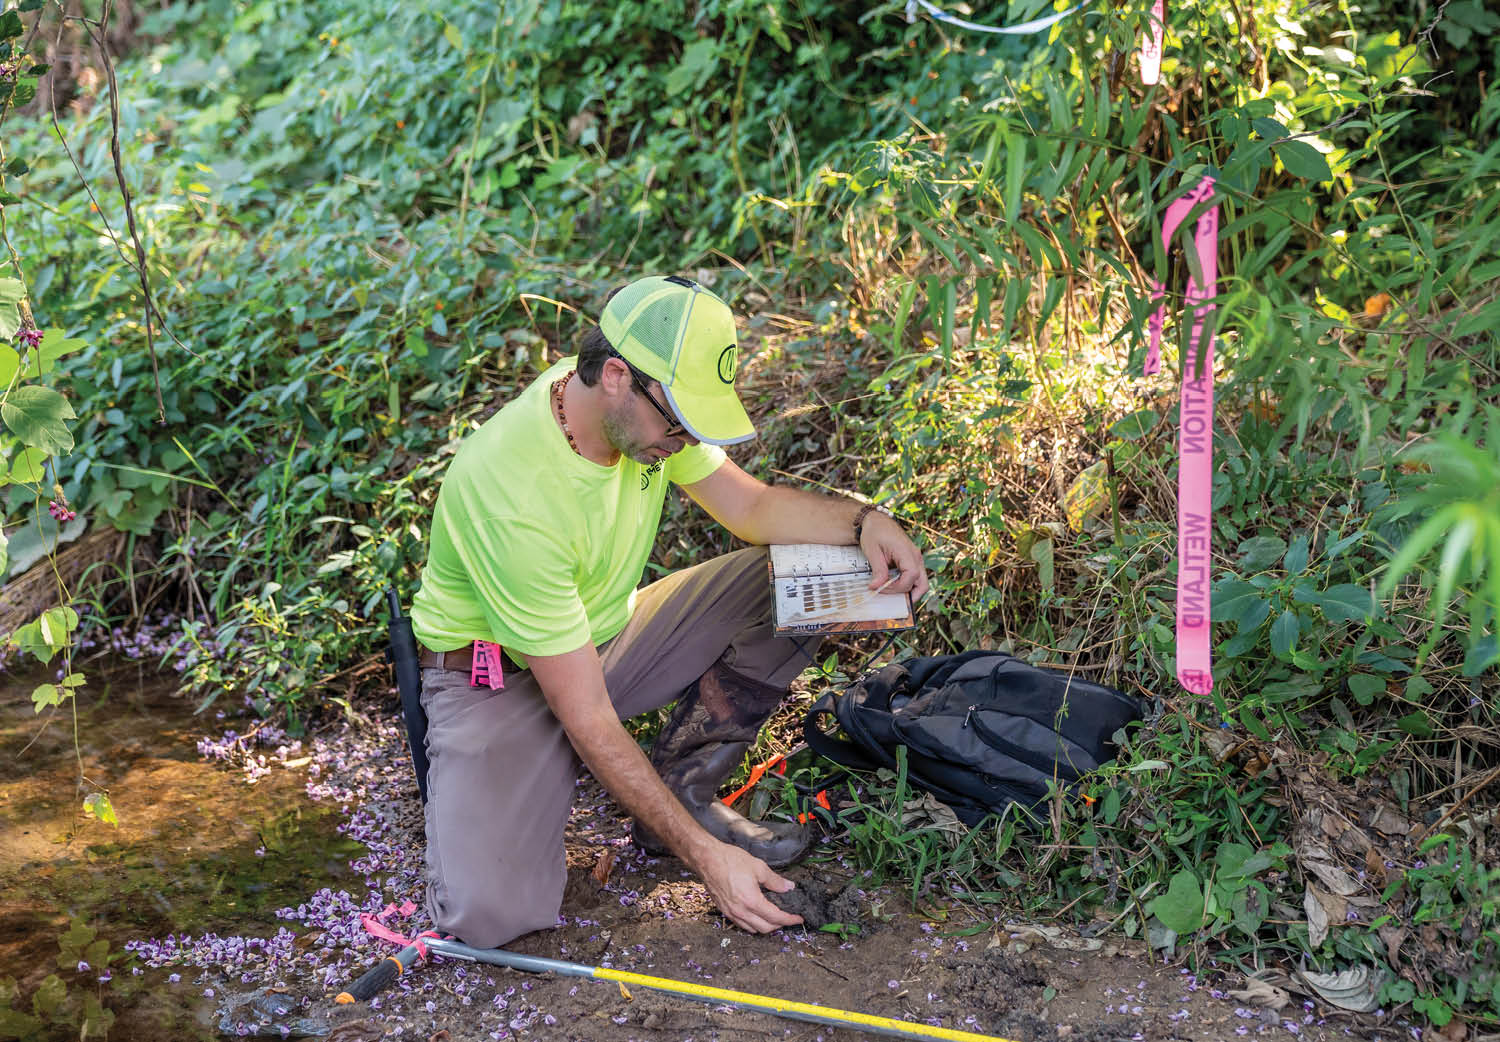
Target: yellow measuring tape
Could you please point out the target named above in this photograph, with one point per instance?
(783, 1007)
(388, 969)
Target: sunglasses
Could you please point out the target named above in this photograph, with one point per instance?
(675, 427)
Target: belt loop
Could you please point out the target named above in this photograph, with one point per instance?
(440, 656)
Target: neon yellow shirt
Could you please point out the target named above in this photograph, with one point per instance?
(533, 546)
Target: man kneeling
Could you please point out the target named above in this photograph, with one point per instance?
(543, 526)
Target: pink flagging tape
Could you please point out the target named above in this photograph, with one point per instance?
(1195, 437)
(375, 927)
(1152, 43)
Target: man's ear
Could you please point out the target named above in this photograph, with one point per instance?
(614, 377)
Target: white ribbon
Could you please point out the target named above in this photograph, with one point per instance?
(1036, 25)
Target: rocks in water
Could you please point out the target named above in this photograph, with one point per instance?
(264, 1014)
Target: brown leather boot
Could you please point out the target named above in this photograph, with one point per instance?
(715, 722)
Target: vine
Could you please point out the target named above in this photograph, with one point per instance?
(34, 412)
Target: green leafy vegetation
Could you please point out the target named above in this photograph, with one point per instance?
(363, 227)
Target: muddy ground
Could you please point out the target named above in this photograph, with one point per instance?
(260, 931)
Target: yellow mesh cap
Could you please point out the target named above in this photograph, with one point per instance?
(682, 336)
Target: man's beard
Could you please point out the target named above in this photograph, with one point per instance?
(617, 433)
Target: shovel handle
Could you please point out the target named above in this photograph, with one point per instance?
(378, 976)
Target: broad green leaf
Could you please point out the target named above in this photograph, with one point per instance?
(49, 996)
(1365, 686)
(699, 59)
(15, 1024)
(453, 36)
(1302, 160)
(53, 346)
(1240, 643)
(44, 695)
(10, 365)
(4, 554)
(1136, 425)
(96, 1019)
(11, 291)
(1416, 724)
(1261, 552)
(1250, 906)
(1284, 632)
(97, 805)
(56, 623)
(1268, 129)
(1484, 653)
(1347, 603)
(1041, 553)
(38, 415)
(28, 467)
(1296, 555)
(1180, 909)
(1242, 603)
(10, 319)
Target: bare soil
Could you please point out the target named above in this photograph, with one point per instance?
(1020, 982)
(196, 835)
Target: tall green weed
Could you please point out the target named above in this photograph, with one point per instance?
(1003, 268)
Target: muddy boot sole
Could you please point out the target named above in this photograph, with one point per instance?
(778, 844)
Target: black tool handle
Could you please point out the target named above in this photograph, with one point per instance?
(403, 653)
(374, 979)
(379, 975)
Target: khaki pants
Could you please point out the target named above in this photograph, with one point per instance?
(502, 772)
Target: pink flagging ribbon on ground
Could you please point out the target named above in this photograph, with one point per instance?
(1152, 43)
(375, 927)
(1195, 435)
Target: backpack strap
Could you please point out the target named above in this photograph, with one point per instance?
(846, 754)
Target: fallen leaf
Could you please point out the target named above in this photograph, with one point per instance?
(1353, 841)
(1356, 989)
(1053, 937)
(603, 866)
(624, 991)
(1223, 746)
(1333, 825)
(1393, 936)
(1454, 1031)
(1317, 918)
(1260, 993)
(1375, 864)
(1387, 819)
(1333, 877)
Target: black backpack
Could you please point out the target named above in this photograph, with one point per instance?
(982, 730)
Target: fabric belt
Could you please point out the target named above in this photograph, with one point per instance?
(461, 660)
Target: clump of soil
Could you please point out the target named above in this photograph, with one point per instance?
(820, 907)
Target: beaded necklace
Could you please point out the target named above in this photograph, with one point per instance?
(562, 416)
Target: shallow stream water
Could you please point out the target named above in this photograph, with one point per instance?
(197, 849)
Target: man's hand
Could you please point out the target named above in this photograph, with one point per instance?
(734, 879)
(887, 547)
(573, 684)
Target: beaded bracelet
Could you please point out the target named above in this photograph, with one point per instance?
(859, 518)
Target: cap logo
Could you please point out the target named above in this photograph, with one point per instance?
(727, 359)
